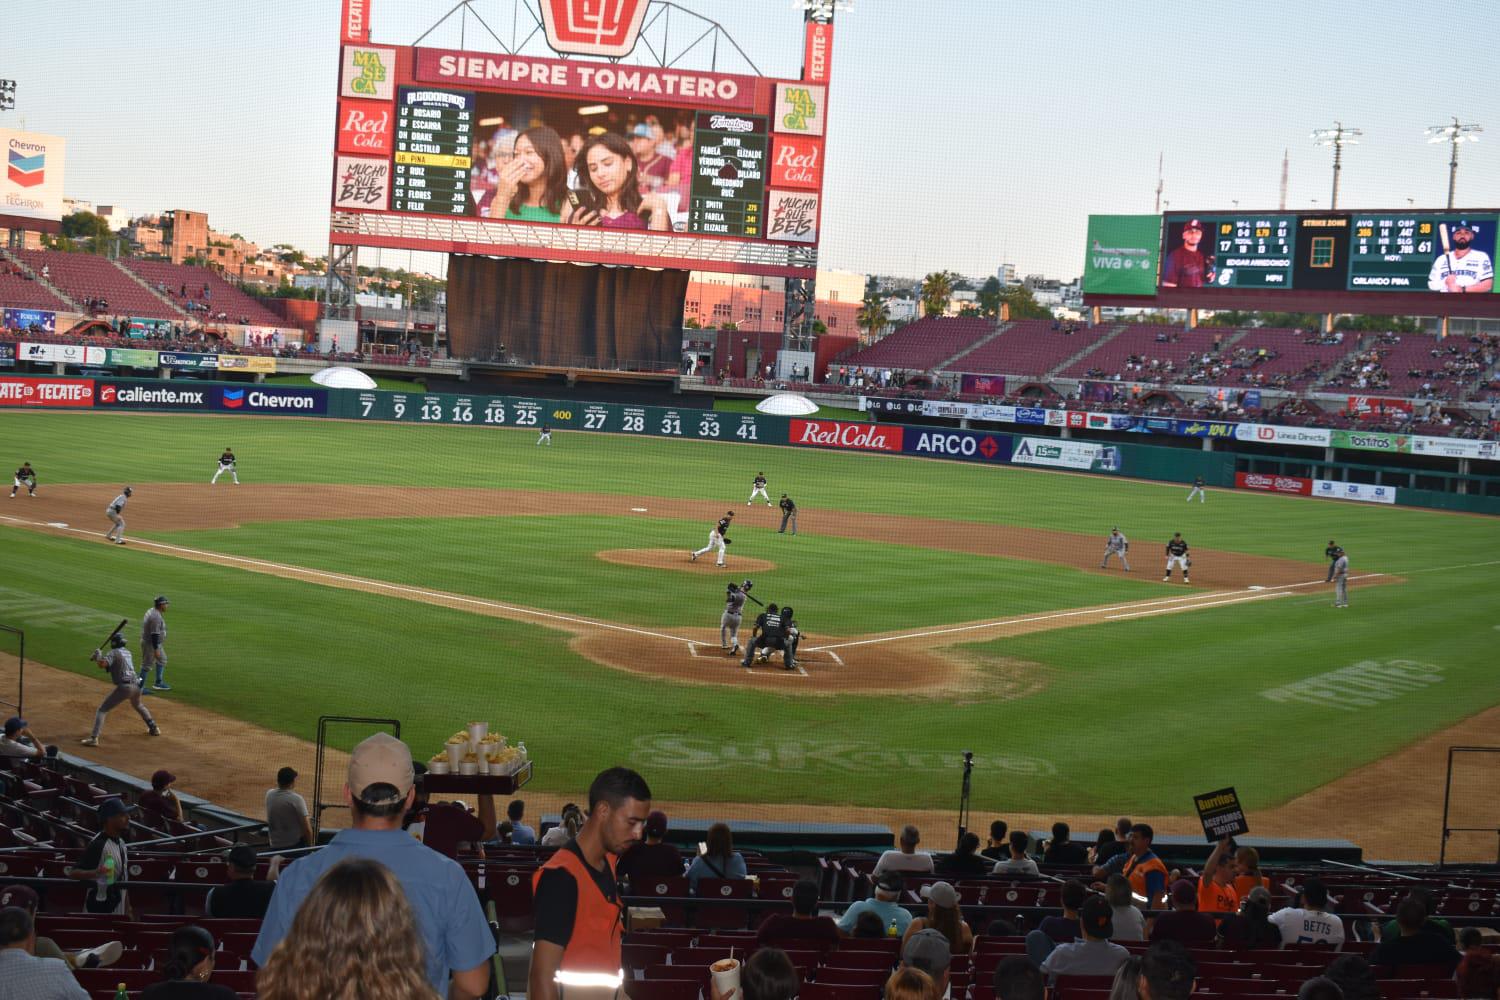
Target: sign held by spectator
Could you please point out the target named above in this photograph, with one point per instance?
(1221, 814)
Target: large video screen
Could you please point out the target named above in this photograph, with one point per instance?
(1439, 252)
(568, 159)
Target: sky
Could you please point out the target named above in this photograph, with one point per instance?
(962, 134)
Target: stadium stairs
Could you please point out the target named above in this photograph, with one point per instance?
(1108, 336)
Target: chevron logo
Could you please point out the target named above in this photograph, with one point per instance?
(26, 171)
(234, 398)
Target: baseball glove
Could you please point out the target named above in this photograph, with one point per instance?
(729, 541)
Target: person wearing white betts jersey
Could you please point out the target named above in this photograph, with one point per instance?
(758, 489)
(115, 511)
(1462, 269)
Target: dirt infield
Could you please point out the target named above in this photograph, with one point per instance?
(675, 559)
(232, 763)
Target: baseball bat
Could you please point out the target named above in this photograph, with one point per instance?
(1447, 248)
(113, 632)
(757, 600)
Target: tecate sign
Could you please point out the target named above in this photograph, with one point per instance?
(855, 437)
(21, 391)
(593, 27)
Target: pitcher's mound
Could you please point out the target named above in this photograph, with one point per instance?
(678, 559)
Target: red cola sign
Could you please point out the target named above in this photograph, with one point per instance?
(851, 437)
(1266, 483)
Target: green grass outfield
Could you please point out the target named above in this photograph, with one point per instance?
(1134, 714)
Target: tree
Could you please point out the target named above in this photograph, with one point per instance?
(819, 328)
(88, 231)
(1021, 304)
(873, 316)
(729, 326)
(990, 297)
(692, 324)
(937, 289)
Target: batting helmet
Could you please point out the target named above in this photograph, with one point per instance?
(128, 491)
(161, 600)
(117, 641)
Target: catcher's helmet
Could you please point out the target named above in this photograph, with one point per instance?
(117, 641)
(786, 612)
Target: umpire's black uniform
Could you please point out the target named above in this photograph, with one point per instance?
(774, 629)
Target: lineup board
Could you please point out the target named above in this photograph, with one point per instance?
(728, 192)
(434, 134)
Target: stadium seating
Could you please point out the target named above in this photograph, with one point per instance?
(921, 346)
(1028, 347)
(1140, 342)
(83, 276)
(20, 291)
(223, 297)
(1290, 361)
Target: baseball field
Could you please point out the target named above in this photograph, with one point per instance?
(441, 574)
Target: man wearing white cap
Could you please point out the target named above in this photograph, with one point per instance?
(380, 788)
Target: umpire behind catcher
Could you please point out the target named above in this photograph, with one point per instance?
(775, 628)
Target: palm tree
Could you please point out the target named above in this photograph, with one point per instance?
(874, 315)
(937, 289)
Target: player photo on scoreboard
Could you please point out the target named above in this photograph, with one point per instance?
(586, 164)
(1445, 253)
(1464, 262)
(1188, 253)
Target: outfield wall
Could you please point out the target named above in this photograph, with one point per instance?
(1036, 447)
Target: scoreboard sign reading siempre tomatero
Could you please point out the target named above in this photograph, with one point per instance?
(729, 166)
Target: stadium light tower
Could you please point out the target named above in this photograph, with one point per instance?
(1453, 135)
(1338, 137)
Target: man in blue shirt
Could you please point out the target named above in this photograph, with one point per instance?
(380, 788)
(887, 891)
(520, 833)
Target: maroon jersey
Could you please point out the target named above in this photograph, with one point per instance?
(1186, 269)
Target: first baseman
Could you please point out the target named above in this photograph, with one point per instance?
(1341, 580)
(122, 672)
(1177, 555)
(1199, 490)
(734, 609)
(1332, 554)
(758, 489)
(718, 537)
(153, 645)
(1116, 545)
(115, 511)
(226, 464)
(25, 476)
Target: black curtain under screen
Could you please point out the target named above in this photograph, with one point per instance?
(563, 314)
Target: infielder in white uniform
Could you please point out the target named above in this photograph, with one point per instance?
(114, 511)
(717, 538)
(1116, 545)
(1341, 580)
(1462, 269)
(226, 464)
(759, 490)
(1177, 555)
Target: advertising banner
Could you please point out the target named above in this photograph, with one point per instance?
(178, 359)
(18, 390)
(123, 357)
(140, 326)
(593, 28)
(67, 354)
(240, 363)
(364, 127)
(882, 404)
(1205, 429)
(1221, 815)
(1251, 399)
(797, 162)
(817, 57)
(1035, 415)
(968, 446)
(846, 436)
(1266, 483)
(1376, 407)
(32, 186)
(156, 396)
(360, 182)
(1122, 255)
(7, 355)
(800, 108)
(792, 216)
(368, 73)
(1311, 437)
(1332, 490)
(1059, 454)
(982, 385)
(31, 320)
(260, 399)
(1153, 425)
(356, 21)
(1391, 444)
(1055, 418)
(1455, 448)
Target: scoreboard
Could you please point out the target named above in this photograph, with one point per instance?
(728, 193)
(1251, 251)
(434, 135)
(1342, 251)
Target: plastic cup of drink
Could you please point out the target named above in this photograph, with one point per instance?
(726, 975)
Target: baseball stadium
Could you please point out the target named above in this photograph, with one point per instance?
(1210, 543)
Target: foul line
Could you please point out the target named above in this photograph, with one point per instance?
(1195, 607)
(438, 596)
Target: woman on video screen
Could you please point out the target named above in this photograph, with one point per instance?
(610, 195)
(533, 184)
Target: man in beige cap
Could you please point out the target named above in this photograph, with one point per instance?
(380, 788)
